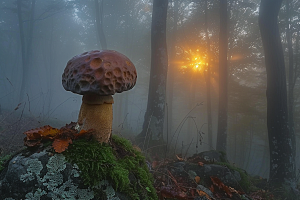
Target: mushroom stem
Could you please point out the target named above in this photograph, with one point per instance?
(96, 113)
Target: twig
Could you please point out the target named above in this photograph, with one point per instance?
(147, 131)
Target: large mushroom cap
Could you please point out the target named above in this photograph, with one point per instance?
(102, 72)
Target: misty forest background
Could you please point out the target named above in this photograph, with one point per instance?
(37, 38)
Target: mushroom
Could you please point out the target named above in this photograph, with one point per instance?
(97, 75)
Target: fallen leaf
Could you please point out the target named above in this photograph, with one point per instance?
(180, 159)
(154, 164)
(212, 189)
(197, 179)
(217, 182)
(61, 145)
(200, 163)
(202, 193)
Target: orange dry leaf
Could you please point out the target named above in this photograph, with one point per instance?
(197, 179)
(180, 159)
(220, 184)
(83, 133)
(61, 145)
(62, 137)
(41, 133)
(212, 189)
(200, 163)
(202, 193)
(154, 164)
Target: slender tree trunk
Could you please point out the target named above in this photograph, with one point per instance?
(152, 133)
(208, 83)
(99, 23)
(282, 159)
(291, 72)
(26, 46)
(172, 68)
(223, 79)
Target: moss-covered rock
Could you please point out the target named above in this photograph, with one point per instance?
(87, 170)
(119, 163)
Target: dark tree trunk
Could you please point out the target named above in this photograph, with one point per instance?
(282, 160)
(152, 133)
(208, 83)
(99, 23)
(291, 71)
(223, 79)
(172, 67)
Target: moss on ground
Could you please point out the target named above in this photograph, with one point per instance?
(3, 160)
(117, 162)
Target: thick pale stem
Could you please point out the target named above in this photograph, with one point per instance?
(96, 113)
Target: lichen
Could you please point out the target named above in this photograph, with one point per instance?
(33, 170)
(53, 182)
(36, 196)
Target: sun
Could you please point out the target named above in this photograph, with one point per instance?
(193, 60)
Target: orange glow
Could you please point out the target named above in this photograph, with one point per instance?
(193, 60)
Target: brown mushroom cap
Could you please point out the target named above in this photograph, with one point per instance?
(102, 72)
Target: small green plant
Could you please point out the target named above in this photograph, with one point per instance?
(3, 160)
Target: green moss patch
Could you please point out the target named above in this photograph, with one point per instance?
(119, 163)
(3, 160)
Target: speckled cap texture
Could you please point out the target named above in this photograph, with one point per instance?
(103, 72)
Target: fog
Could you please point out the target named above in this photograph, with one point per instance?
(54, 31)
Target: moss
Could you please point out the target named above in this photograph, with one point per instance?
(223, 157)
(245, 182)
(119, 163)
(3, 160)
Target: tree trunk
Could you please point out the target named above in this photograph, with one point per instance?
(223, 79)
(282, 159)
(291, 82)
(152, 133)
(99, 23)
(26, 46)
(172, 68)
(208, 83)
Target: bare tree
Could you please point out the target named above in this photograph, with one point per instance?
(291, 75)
(223, 79)
(99, 23)
(26, 36)
(208, 82)
(282, 158)
(152, 132)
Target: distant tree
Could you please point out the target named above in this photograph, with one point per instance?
(223, 79)
(152, 132)
(26, 37)
(172, 66)
(292, 75)
(282, 159)
(99, 23)
(208, 81)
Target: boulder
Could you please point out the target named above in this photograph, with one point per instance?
(44, 174)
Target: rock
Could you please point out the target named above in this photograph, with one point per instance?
(227, 176)
(48, 175)
(41, 176)
(210, 156)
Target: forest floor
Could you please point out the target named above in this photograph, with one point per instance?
(169, 185)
